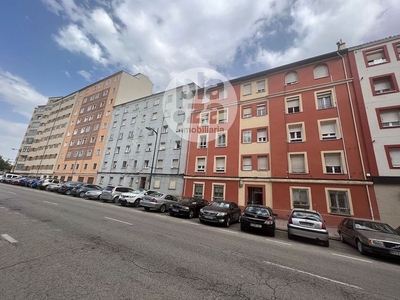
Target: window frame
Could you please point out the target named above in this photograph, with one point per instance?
(375, 49)
(244, 157)
(319, 93)
(196, 169)
(303, 132)
(217, 136)
(342, 162)
(216, 170)
(223, 191)
(292, 198)
(320, 126)
(392, 80)
(378, 114)
(388, 157)
(349, 200)
(293, 98)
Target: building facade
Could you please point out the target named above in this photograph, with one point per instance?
(86, 133)
(146, 146)
(376, 68)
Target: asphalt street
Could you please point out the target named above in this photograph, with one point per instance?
(59, 247)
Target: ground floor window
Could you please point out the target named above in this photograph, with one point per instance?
(198, 190)
(300, 198)
(218, 192)
(339, 202)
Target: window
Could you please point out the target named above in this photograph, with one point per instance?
(247, 163)
(157, 183)
(247, 112)
(246, 136)
(169, 98)
(175, 163)
(339, 202)
(157, 101)
(148, 149)
(218, 192)
(115, 124)
(219, 164)
(98, 151)
(397, 50)
(375, 56)
(198, 190)
(291, 78)
(94, 166)
(261, 111)
(146, 164)
(222, 116)
(104, 125)
(89, 153)
(133, 121)
(261, 135)
(324, 100)
(204, 119)
(247, 89)
(161, 146)
(179, 127)
(135, 164)
(321, 71)
(300, 198)
(123, 122)
(221, 139)
(261, 86)
(138, 148)
(293, 105)
(124, 164)
(160, 163)
(143, 118)
(177, 145)
(201, 164)
(202, 141)
(262, 162)
(389, 117)
(333, 163)
(164, 129)
(295, 133)
(297, 163)
(172, 185)
(120, 136)
(393, 153)
(154, 116)
(385, 84)
(108, 113)
(223, 94)
(328, 130)
(127, 149)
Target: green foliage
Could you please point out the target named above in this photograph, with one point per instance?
(5, 165)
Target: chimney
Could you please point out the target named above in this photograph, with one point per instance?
(341, 45)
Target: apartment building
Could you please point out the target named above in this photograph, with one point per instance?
(376, 68)
(85, 137)
(146, 145)
(42, 142)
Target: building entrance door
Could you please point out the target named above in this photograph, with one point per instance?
(255, 195)
(142, 183)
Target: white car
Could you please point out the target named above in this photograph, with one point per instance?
(133, 198)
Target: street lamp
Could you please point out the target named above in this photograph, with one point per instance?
(154, 154)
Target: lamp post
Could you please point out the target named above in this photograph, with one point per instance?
(16, 159)
(154, 155)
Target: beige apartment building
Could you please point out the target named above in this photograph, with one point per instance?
(85, 135)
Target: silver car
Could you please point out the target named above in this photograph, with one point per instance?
(133, 198)
(112, 193)
(158, 201)
(93, 194)
(309, 224)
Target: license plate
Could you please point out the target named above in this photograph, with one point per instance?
(394, 252)
(255, 225)
(306, 224)
(175, 210)
(208, 217)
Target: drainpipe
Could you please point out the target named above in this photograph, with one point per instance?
(357, 136)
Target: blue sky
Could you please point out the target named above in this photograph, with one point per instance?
(55, 47)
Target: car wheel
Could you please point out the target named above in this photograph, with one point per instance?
(147, 208)
(341, 238)
(325, 243)
(82, 194)
(290, 236)
(360, 247)
(116, 199)
(191, 214)
(162, 208)
(228, 222)
(67, 192)
(242, 227)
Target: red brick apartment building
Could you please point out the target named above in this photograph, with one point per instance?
(296, 141)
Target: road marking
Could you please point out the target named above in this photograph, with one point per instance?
(10, 193)
(9, 238)
(50, 202)
(269, 240)
(118, 221)
(190, 223)
(227, 231)
(355, 258)
(312, 275)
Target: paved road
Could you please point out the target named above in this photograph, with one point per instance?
(71, 248)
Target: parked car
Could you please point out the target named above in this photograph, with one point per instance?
(54, 187)
(309, 224)
(158, 201)
(35, 183)
(46, 182)
(66, 187)
(188, 207)
(370, 236)
(134, 197)
(398, 230)
(80, 190)
(220, 212)
(258, 217)
(93, 194)
(112, 193)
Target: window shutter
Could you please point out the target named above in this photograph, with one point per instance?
(297, 163)
(375, 55)
(291, 77)
(382, 84)
(220, 162)
(395, 157)
(293, 102)
(328, 127)
(261, 85)
(246, 89)
(390, 115)
(332, 159)
(246, 112)
(262, 135)
(262, 163)
(321, 71)
(295, 128)
(247, 163)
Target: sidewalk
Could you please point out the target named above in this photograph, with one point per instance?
(282, 225)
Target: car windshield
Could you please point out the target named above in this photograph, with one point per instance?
(257, 210)
(137, 192)
(188, 200)
(306, 215)
(220, 204)
(373, 226)
(108, 188)
(157, 195)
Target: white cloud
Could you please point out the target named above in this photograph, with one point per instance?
(85, 74)
(13, 133)
(163, 38)
(20, 94)
(67, 73)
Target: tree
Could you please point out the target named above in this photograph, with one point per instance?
(5, 166)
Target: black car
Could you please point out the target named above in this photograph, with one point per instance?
(258, 217)
(68, 186)
(220, 212)
(80, 190)
(188, 207)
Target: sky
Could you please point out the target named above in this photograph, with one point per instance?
(52, 48)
